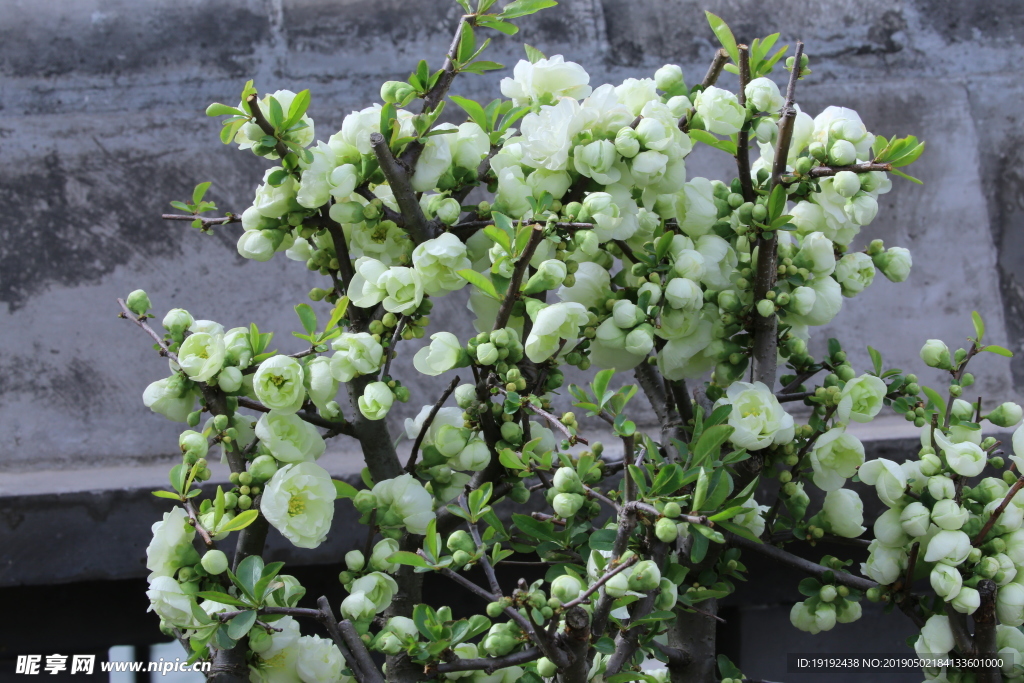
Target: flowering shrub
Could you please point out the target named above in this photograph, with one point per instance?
(594, 250)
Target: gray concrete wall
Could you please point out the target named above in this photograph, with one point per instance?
(101, 124)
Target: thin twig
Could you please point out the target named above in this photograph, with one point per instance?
(585, 595)
(190, 509)
(743, 137)
(409, 466)
(252, 103)
(780, 555)
(207, 222)
(491, 664)
(825, 171)
(393, 344)
(788, 398)
(512, 295)
(980, 538)
(141, 322)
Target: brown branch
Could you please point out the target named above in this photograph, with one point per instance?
(399, 179)
(253, 105)
(980, 538)
(789, 398)
(396, 336)
(585, 595)
(958, 625)
(409, 466)
(985, 632)
(207, 222)
(824, 171)
(627, 642)
(743, 137)
(512, 294)
(141, 322)
(491, 664)
(190, 509)
(817, 570)
(765, 356)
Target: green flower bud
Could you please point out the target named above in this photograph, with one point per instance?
(645, 576)
(566, 480)
(935, 354)
(138, 302)
(460, 540)
(1006, 415)
(494, 609)
(766, 308)
(545, 667)
(665, 529)
(566, 588)
(355, 560)
(672, 510)
(262, 468)
(567, 505)
(827, 593)
(215, 561)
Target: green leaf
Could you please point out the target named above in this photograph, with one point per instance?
(467, 43)
(979, 326)
(218, 109)
(480, 282)
(725, 37)
(998, 350)
(408, 558)
(600, 385)
(240, 521)
(777, 201)
(178, 475)
(510, 459)
(935, 398)
(700, 491)
(344, 490)
(498, 25)
(276, 115)
(499, 236)
(240, 625)
(167, 494)
(217, 596)
(809, 586)
(521, 8)
(876, 360)
(903, 175)
(298, 107)
(307, 316)
(338, 313)
(699, 548)
(726, 667)
(727, 146)
(230, 129)
(535, 528)
(473, 108)
(737, 529)
(181, 206)
(710, 442)
(199, 192)
(533, 54)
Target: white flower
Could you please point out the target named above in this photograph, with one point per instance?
(915, 519)
(884, 564)
(634, 93)
(1010, 604)
(936, 637)
(967, 601)
(889, 529)
(546, 81)
(720, 111)
(844, 511)
(171, 547)
(289, 438)
(757, 417)
(470, 147)
(888, 479)
(376, 401)
(364, 290)
(403, 288)
(695, 207)
(547, 136)
(764, 95)
(597, 160)
(171, 397)
(965, 458)
(684, 294)
(854, 272)
(592, 286)
(552, 324)
(171, 603)
(816, 254)
(839, 123)
(320, 383)
(946, 580)
(720, 261)
(444, 353)
(201, 356)
(376, 590)
(256, 245)
(950, 547)
(682, 356)
(275, 202)
(835, 458)
(409, 502)
(434, 160)
(356, 354)
(318, 660)
(861, 399)
(437, 261)
(828, 300)
(298, 501)
(279, 384)
(315, 190)
(752, 517)
(895, 263)
(946, 514)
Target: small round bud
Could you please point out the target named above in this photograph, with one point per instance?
(215, 561)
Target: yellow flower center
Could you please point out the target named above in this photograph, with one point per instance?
(277, 380)
(296, 506)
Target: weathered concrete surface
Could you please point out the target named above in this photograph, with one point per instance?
(101, 124)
